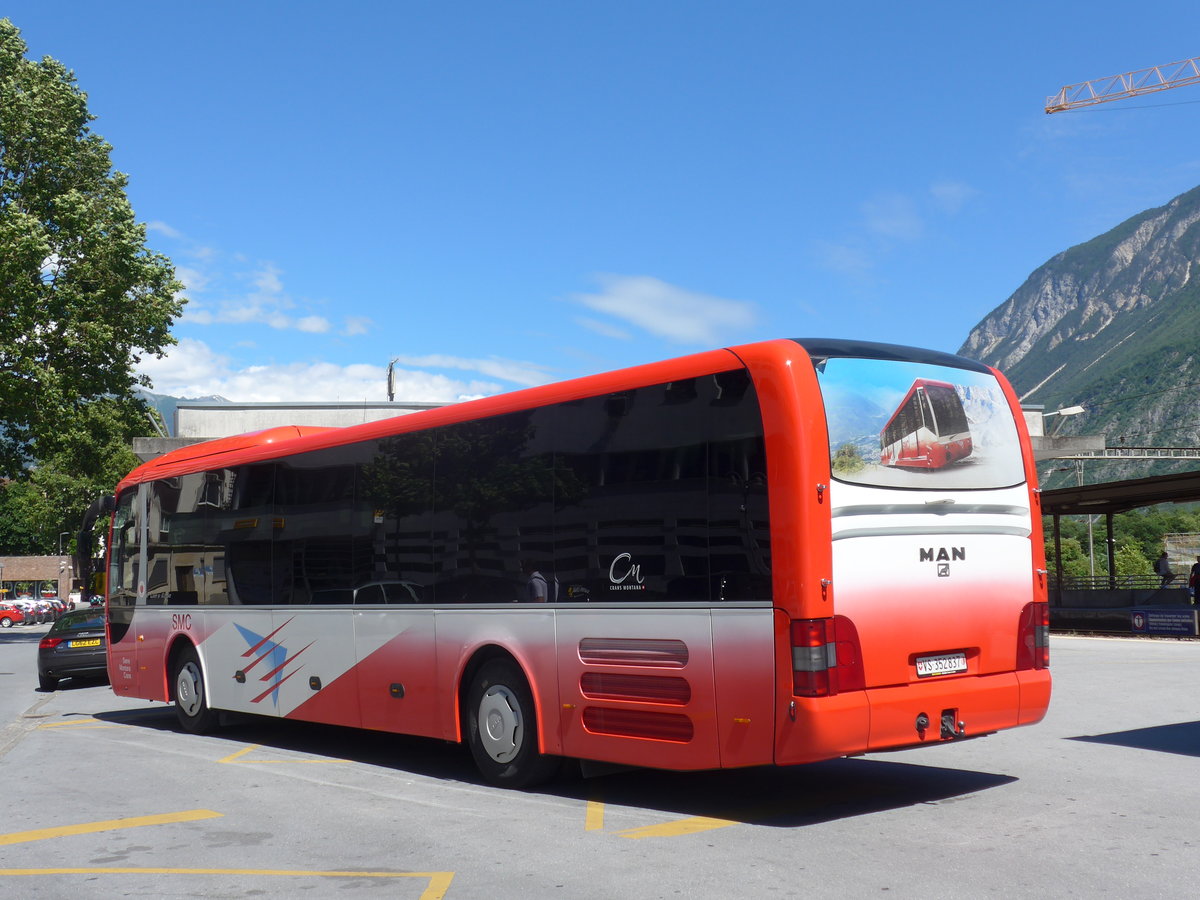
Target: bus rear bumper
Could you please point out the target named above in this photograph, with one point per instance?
(945, 709)
(910, 715)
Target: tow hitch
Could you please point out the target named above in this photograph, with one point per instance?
(951, 727)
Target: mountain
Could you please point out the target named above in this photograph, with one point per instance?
(1112, 325)
(165, 404)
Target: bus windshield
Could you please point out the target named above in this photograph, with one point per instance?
(920, 426)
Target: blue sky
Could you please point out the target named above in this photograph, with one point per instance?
(503, 194)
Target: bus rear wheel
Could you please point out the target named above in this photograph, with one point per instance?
(191, 698)
(501, 728)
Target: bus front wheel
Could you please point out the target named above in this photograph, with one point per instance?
(191, 698)
(502, 728)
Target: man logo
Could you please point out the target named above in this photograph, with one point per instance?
(943, 556)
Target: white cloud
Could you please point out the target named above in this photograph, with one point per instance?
(188, 362)
(267, 280)
(888, 218)
(163, 228)
(193, 279)
(668, 311)
(266, 303)
(187, 246)
(893, 215)
(952, 196)
(356, 325)
(522, 373)
(313, 324)
(604, 328)
(843, 258)
(255, 295)
(193, 369)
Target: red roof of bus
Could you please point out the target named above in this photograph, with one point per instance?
(289, 439)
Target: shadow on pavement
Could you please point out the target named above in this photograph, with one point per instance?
(1182, 738)
(24, 634)
(776, 797)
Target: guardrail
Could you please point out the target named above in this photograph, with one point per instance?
(1115, 582)
(1124, 604)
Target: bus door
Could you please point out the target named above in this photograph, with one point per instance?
(279, 648)
(127, 560)
(636, 686)
(311, 673)
(141, 626)
(398, 687)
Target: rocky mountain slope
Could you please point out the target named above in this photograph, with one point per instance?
(165, 405)
(1112, 325)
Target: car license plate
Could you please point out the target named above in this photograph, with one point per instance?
(946, 664)
(94, 642)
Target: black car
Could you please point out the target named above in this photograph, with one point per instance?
(74, 646)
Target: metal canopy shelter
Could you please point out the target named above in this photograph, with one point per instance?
(1112, 497)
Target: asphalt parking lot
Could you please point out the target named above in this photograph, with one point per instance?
(104, 797)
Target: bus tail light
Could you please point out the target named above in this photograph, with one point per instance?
(1033, 637)
(826, 657)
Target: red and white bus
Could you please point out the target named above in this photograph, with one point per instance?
(736, 579)
(929, 428)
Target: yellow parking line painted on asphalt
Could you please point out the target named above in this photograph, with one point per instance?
(594, 821)
(439, 882)
(233, 756)
(595, 816)
(41, 834)
(693, 825)
(237, 757)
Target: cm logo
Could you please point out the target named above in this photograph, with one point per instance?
(625, 575)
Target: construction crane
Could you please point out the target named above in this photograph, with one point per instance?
(1130, 84)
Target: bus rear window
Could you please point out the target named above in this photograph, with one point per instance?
(916, 425)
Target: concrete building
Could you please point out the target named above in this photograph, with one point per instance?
(203, 420)
(35, 575)
(1051, 446)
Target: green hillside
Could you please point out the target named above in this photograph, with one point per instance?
(1112, 325)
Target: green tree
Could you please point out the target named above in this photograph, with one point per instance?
(1074, 560)
(1130, 560)
(79, 463)
(81, 297)
(847, 460)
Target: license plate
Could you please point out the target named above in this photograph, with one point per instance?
(946, 664)
(95, 642)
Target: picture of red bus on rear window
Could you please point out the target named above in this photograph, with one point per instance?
(895, 423)
(928, 430)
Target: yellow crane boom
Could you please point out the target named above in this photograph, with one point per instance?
(1130, 84)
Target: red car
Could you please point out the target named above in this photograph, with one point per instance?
(10, 616)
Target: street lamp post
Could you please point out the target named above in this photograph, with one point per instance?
(391, 379)
(1077, 468)
(61, 535)
(1062, 417)
(1064, 412)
